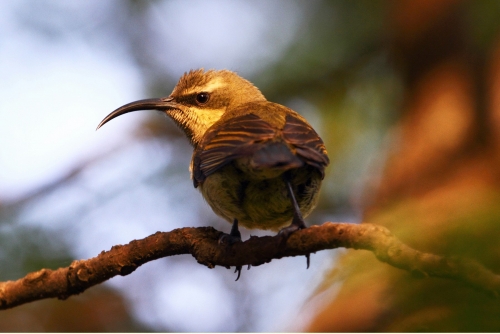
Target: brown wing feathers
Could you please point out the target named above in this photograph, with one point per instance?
(245, 136)
(307, 143)
(228, 141)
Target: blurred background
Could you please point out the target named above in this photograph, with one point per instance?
(405, 94)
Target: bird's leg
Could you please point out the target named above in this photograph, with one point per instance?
(235, 232)
(231, 238)
(297, 221)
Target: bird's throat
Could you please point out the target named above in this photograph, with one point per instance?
(195, 121)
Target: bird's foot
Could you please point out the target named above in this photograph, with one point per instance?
(229, 239)
(285, 232)
(238, 270)
(233, 237)
(297, 221)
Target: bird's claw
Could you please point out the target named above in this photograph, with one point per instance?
(238, 269)
(285, 233)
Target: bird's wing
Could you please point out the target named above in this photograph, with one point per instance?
(307, 143)
(243, 135)
(227, 141)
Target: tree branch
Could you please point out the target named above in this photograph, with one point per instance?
(202, 243)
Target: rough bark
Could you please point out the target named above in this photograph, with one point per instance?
(202, 243)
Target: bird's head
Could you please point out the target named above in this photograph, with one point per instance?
(198, 100)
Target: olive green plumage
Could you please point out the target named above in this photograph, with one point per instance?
(246, 148)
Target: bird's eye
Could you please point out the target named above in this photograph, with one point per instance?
(202, 98)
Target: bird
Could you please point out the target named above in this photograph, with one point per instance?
(257, 163)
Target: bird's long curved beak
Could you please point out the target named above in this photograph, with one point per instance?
(146, 104)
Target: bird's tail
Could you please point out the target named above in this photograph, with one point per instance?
(276, 155)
